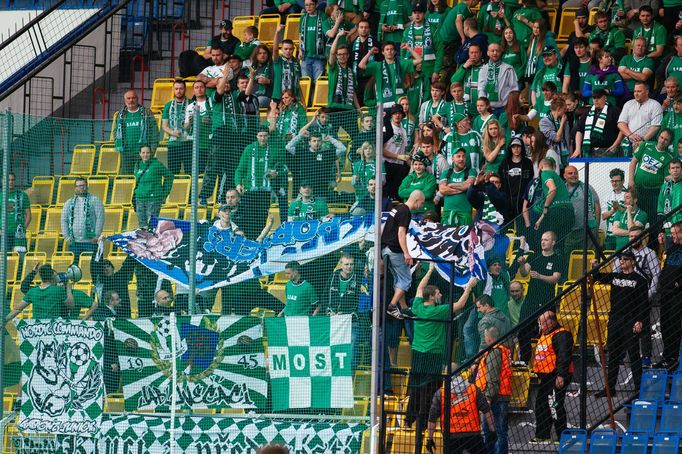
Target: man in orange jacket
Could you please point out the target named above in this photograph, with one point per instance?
(554, 367)
(464, 433)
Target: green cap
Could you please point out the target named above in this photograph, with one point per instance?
(458, 117)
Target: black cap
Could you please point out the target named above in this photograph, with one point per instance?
(226, 24)
(235, 57)
(582, 12)
(628, 254)
(419, 6)
(397, 108)
(598, 93)
(548, 50)
(421, 157)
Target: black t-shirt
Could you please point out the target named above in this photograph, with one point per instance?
(399, 216)
(629, 295)
(228, 46)
(540, 292)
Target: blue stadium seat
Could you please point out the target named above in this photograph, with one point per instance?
(643, 417)
(603, 442)
(573, 441)
(634, 443)
(666, 444)
(653, 385)
(671, 419)
(676, 387)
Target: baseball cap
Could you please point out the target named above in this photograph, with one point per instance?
(397, 108)
(582, 12)
(458, 117)
(548, 50)
(628, 254)
(598, 93)
(516, 141)
(419, 6)
(226, 24)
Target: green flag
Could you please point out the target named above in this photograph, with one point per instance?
(310, 362)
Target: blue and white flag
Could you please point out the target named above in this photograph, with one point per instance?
(224, 258)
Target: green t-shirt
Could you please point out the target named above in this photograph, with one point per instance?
(471, 142)
(633, 64)
(429, 337)
(522, 30)
(674, 68)
(287, 76)
(385, 72)
(435, 18)
(301, 299)
(313, 31)
(133, 129)
(307, 211)
(612, 38)
(517, 60)
(394, 12)
(478, 124)
(468, 78)
(491, 26)
(448, 26)
(426, 183)
(670, 198)
(363, 172)
(494, 166)
(81, 300)
(561, 196)
(458, 202)
(654, 36)
(546, 74)
(17, 204)
(652, 165)
(621, 220)
(583, 69)
(47, 302)
(453, 108)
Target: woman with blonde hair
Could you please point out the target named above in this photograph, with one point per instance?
(493, 145)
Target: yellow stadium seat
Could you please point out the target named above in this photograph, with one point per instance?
(162, 92)
(36, 215)
(566, 24)
(83, 160)
(133, 222)
(113, 127)
(360, 409)
(53, 220)
(12, 266)
(403, 442)
(61, 261)
(161, 154)
(84, 264)
(114, 403)
(113, 219)
(321, 92)
(592, 19)
(99, 185)
(189, 86)
(520, 386)
(628, 46)
(17, 295)
(362, 386)
(404, 354)
(200, 50)
(65, 190)
(170, 211)
(267, 27)
(239, 24)
(109, 161)
(180, 191)
(575, 264)
(41, 190)
(202, 213)
(305, 85)
(291, 28)
(122, 190)
(30, 261)
(601, 299)
(46, 242)
(552, 14)
(117, 261)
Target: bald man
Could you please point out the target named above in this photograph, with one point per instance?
(394, 249)
(135, 128)
(554, 368)
(576, 191)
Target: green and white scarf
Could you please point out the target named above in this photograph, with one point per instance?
(176, 116)
(228, 108)
(288, 116)
(320, 41)
(262, 70)
(426, 43)
(491, 81)
(532, 63)
(345, 88)
(356, 57)
(89, 229)
(594, 124)
(387, 84)
(289, 75)
(266, 162)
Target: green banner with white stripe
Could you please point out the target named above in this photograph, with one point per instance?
(310, 361)
(219, 362)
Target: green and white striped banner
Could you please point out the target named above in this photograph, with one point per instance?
(310, 362)
(220, 362)
(61, 364)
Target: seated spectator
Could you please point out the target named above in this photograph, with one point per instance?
(614, 205)
(153, 183)
(609, 35)
(163, 303)
(496, 80)
(49, 299)
(225, 41)
(286, 68)
(484, 115)
(556, 130)
(245, 49)
(224, 221)
(318, 164)
(82, 220)
(301, 298)
(628, 218)
(419, 179)
(516, 172)
(366, 204)
(640, 119)
(655, 34)
(671, 66)
(551, 70)
(579, 64)
(636, 67)
(604, 75)
(486, 197)
(454, 186)
(597, 131)
(306, 207)
(673, 120)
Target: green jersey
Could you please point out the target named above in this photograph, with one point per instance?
(342, 85)
(471, 142)
(47, 302)
(174, 114)
(452, 108)
(363, 171)
(546, 74)
(480, 123)
(287, 77)
(256, 164)
(389, 78)
(429, 337)
(457, 202)
(81, 300)
(425, 183)
(652, 165)
(301, 299)
(670, 198)
(468, 78)
(674, 68)
(245, 49)
(516, 59)
(494, 166)
(313, 32)
(523, 31)
(612, 38)
(561, 196)
(656, 35)
(435, 18)
(637, 65)
(448, 26)
(394, 12)
(300, 210)
(582, 70)
(491, 26)
(638, 217)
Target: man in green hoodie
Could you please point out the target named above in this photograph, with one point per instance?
(420, 179)
(153, 183)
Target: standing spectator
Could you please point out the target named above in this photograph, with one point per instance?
(496, 79)
(515, 303)
(545, 272)
(492, 20)
(551, 70)
(366, 204)
(163, 304)
(538, 150)
(604, 75)
(153, 183)
(629, 312)
(395, 151)
(671, 66)
(465, 138)
(314, 31)
(494, 141)
(49, 299)
(201, 106)
(419, 179)
(286, 68)
(523, 21)
(654, 33)
(394, 250)
(464, 433)
(107, 279)
(18, 217)
(579, 65)
(557, 211)
(261, 59)
(556, 130)
(611, 37)
(172, 121)
(454, 186)
(344, 289)
(342, 96)
(597, 131)
(494, 378)
(135, 127)
(364, 170)
(225, 41)
(389, 74)
(516, 172)
(394, 17)
(435, 109)
(210, 75)
(491, 316)
(82, 220)
(627, 218)
(554, 367)
(108, 310)
(486, 197)
(648, 169)
(451, 34)
(670, 196)
(467, 74)
(300, 295)
(513, 53)
(318, 164)
(419, 35)
(637, 67)
(614, 204)
(577, 193)
(640, 119)
(670, 297)
(362, 45)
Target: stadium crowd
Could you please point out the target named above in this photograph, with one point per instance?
(483, 110)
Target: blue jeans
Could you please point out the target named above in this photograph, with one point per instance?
(500, 412)
(78, 248)
(471, 341)
(312, 67)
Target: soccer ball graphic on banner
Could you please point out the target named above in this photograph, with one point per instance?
(79, 354)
